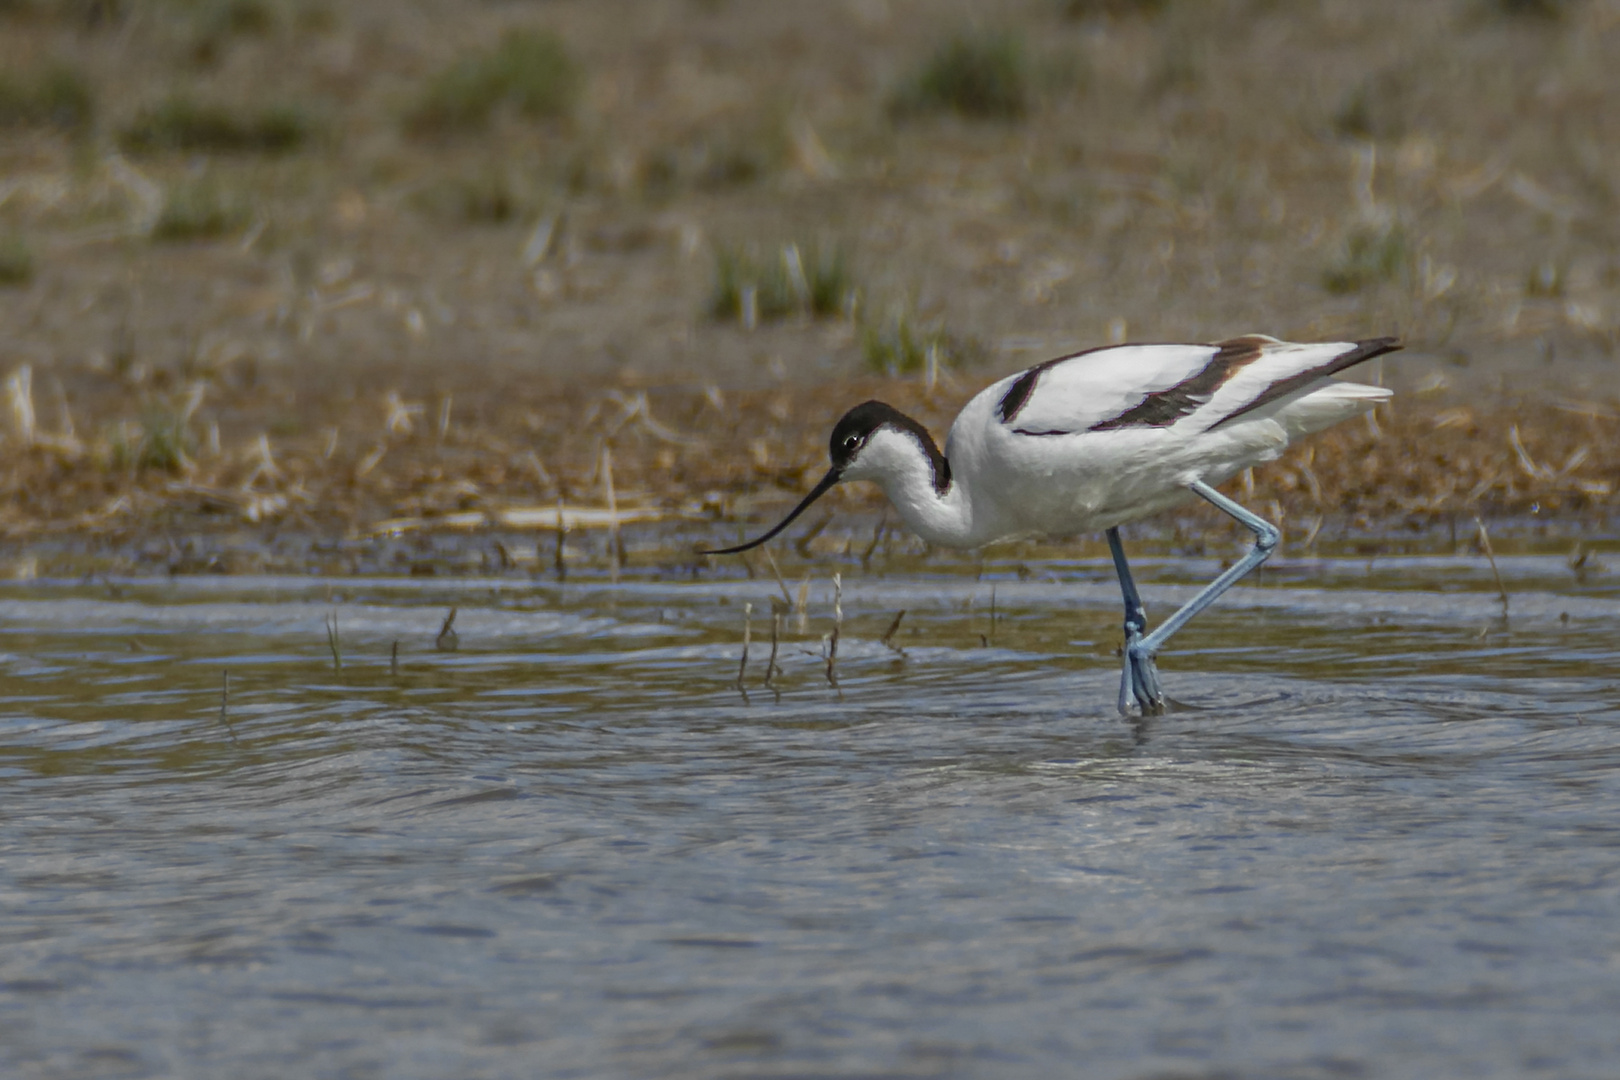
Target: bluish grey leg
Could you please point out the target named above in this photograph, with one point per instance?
(1266, 537)
(1140, 680)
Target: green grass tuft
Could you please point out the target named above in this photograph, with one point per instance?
(1539, 9)
(16, 261)
(57, 97)
(529, 71)
(1375, 109)
(900, 347)
(218, 22)
(77, 14)
(982, 77)
(198, 211)
(1372, 255)
(161, 439)
(181, 124)
(484, 199)
(1545, 280)
(792, 281)
(166, 441)
(245, 17)
(1111, 9)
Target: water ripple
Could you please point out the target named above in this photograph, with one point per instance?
(1382, 836)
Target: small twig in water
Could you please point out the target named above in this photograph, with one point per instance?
(888, 635)
(393, 659)
(448, 639)
(877, 536)
(1581, 563)
(541, 476)
(786, 596)
(225, 703)
(778, 609)
(615, 545)
(1310, 537)
(558, 565)
(748, 632)
(802, 544)
(333, 643)
(1485, 542)
(838, 625)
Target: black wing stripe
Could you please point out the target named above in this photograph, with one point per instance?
(1019, 392)
(1017, 395)
(1364, 351)
(1165, 407)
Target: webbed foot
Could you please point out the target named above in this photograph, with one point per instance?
(1139, 684)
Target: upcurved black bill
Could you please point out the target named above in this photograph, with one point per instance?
(817, 492)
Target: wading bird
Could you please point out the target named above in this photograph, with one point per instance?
(1092, 441)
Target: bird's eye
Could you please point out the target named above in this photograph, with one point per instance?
(851, 442)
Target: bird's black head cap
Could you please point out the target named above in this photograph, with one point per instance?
(853, 429)
(857, 425)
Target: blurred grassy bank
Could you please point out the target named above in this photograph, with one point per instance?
(229, 229)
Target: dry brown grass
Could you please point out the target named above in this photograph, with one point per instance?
(358, 459)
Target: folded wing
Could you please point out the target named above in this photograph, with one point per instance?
(1157, 386)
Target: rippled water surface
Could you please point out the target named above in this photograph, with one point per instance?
(1383, 839)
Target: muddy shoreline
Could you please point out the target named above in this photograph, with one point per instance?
(392, 474)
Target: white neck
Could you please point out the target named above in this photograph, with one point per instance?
(898, 463)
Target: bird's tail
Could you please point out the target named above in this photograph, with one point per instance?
(1335, 402)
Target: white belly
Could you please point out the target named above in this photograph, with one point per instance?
(1061, 485)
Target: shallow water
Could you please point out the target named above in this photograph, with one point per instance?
(1384, 838)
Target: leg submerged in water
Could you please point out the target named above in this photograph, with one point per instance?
(1140, 680)
(1141, 677)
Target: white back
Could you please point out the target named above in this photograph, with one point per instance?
(1079, 391)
